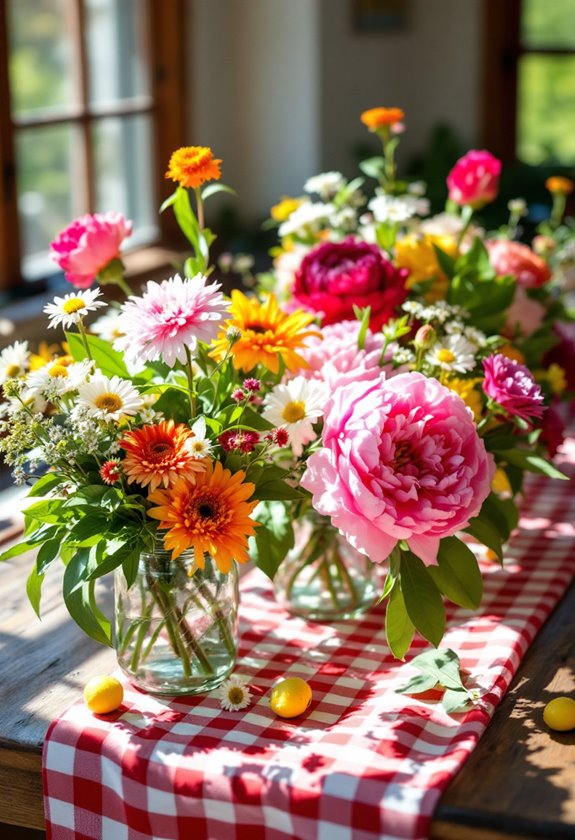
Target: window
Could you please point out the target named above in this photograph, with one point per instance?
(84, 87)
(530, 81)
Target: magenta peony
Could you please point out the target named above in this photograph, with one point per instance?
(513, 258)
(512, 387)
(336, 275)
(474, 179)
(401, 460)
(88, 245)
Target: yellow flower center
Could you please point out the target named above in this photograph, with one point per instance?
(73, 305)
(445, 355)
(58, 370)
(12, 370)
(108, 402)
(294, 411)
(235, 694)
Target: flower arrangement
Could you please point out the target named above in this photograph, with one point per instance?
(376, 387)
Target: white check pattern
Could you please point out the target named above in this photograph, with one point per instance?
(362, 763)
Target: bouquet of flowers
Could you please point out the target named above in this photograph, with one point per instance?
(183, 432)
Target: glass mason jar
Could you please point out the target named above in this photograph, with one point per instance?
(323, 577)
(176, 626)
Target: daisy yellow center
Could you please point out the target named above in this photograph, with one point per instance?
(445, 355)
(235, 694)
(12, 370)
(197, 446)
(58, 370)
(73, 305)
(294, 411)
(108, 402)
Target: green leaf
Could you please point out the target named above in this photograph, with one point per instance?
(443, 665)
(455, 700)
(277, 490)
(212, 189)
(90, 525)
(528, 461)
(34, 589)
(373, 167)
(457, 574)
(446, 262)
(486, 533)
(186, 219)
(79, 598)
(169, 201)
(502, 513)
(46, 510)
(418, 684)
(16, 550)
(109, 361)
(44, 484)
(274, 537)
(422, 598)
(399, 629)
(363, 316)
(47, 553)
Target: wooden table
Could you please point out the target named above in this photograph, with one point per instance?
(518, 783)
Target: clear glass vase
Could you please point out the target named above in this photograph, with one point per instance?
(323, 577)
(176, 626)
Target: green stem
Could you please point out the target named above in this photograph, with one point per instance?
(219, 617)
(199, 207)
(84, 337)
(190, 377)
(166, 609)
(121, 283)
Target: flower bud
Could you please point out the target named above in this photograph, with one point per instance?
(517, 206)
(233, 334)
(425, 337)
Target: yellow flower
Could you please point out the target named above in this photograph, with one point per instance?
(559, 184)
(465, 388)
(46, 353)
(500, 483)
(283, 209)
(376, 118)
(416, 253)
(210, 515)
(266, 334)
(192, 166)
(555, 376)
(512, 353)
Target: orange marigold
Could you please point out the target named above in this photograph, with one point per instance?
(192, 166)
(559, 184)
(376, 118)
(211, 515)
(159, 454)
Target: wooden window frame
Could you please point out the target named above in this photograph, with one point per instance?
(167, 106)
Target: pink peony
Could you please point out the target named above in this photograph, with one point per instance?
(336, 275)
(524, 316)
(512, 386)
(474, 179)
(513, 258)
(84, 248)
(169, 317)
(336, 359)
(401, 460)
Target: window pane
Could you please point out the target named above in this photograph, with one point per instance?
(548, 23)
(117, 50)
(546, 110)
(124, 174)
(42, 56)
(50, 174)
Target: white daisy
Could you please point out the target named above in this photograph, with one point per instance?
(109, 399)
(296, 406)
(73, 307)
(198, 446)
(14, 361)
(55, 378)
(107, 326)
(325, 185)
(307, 217)
(234, 694)
(472, 334)
(453, 353)
(390, 208)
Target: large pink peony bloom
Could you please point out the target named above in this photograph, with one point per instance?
(401, 460)
(512, 386)
(474, 179)
(169, 317)
(514, 258)
(84, 248)
(336, 275)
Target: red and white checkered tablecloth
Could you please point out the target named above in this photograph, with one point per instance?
(363, 762)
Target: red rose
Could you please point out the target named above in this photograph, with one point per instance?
(335, 276)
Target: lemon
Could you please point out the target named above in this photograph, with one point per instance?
(103, 694)
(559, 714)
(290, 697)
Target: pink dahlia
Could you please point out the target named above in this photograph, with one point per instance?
(86, 246)
(401, 460)
(474, 179)
(169, 317)
(335, 276)
(514, 258)
(513, 387)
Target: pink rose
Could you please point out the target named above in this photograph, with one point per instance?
(524, 316)
(513, 258)
(474, 179)
(84, 248)
(512, 386)
(401, 460)
(336, 275)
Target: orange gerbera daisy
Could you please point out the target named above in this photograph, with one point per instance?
(559, 184)
(376, 118)
(210, 515)
(192, 166)
(267, 334)
(159, 454)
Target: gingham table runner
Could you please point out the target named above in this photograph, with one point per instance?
(363, 762)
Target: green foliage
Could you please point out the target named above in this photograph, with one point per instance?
(399, 628)
(274, 536)
(423, 601)
(457, 575)
(439, 668)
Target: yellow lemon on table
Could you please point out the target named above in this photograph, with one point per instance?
(559, 714)
(290, 697)
(103, 694)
